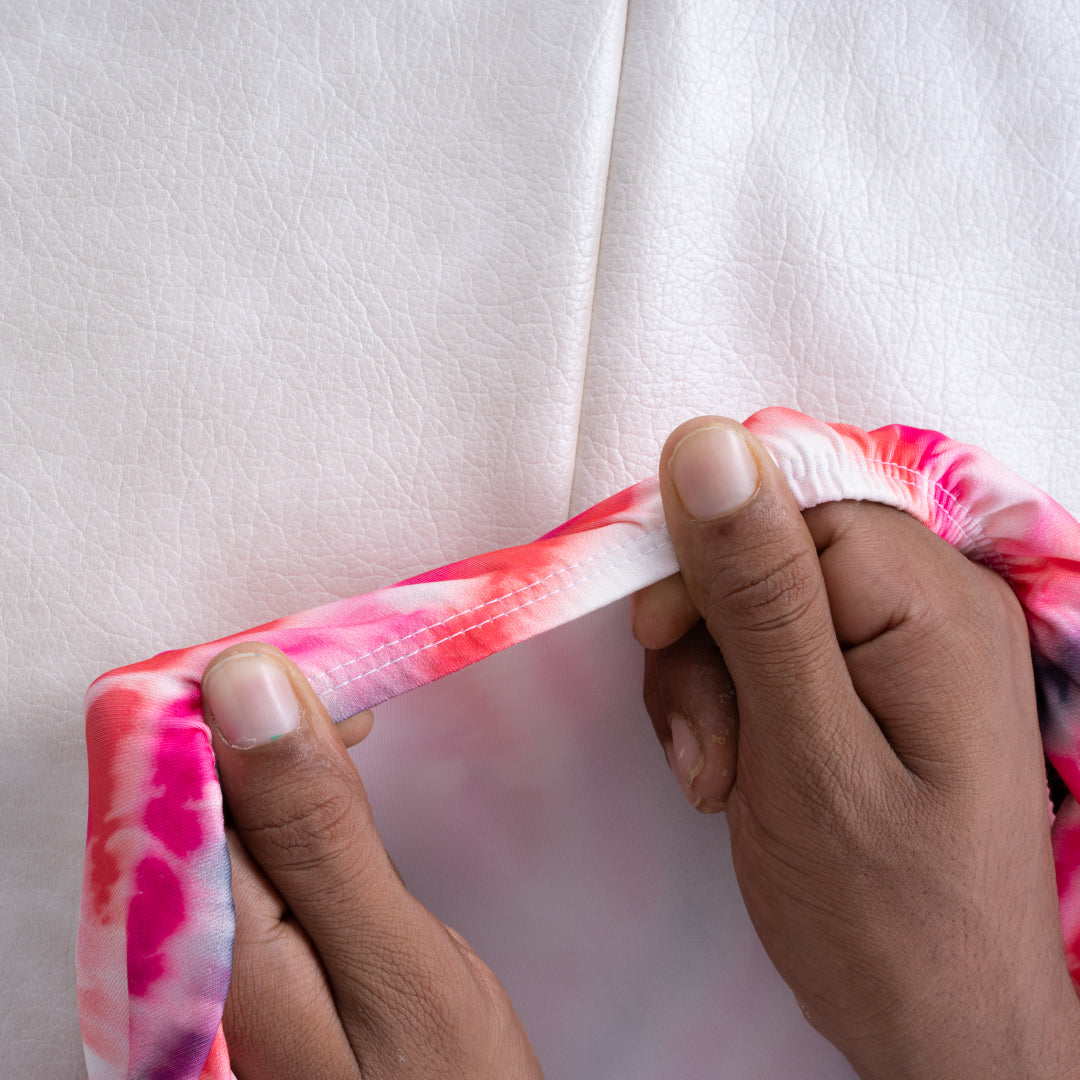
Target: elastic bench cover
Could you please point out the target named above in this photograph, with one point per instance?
(156, 928)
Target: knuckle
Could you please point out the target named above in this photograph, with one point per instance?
(826, 784)
(855, 813)
(1007, 611)
(976, 617)
(775, 589)
(304, 823)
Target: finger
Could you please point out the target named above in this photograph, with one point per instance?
(751, 568)
(662, 612)
(697, 701)
(882, 568)
(277, 985)
(354, 729)
(918, 620)
(300, 809)
(650, 694)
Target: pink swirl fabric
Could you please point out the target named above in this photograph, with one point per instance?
(156, 929)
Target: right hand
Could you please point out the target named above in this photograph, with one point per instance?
(860, 697)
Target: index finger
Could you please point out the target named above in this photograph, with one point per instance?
(936, 645)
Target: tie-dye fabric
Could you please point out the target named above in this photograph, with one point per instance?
(155, 937)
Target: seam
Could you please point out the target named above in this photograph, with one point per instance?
(502, 614)
(596, 266)
(427, 627)
(947, 503)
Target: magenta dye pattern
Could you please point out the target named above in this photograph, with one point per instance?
(155, 936)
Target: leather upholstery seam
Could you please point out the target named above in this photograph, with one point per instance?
(568, 512)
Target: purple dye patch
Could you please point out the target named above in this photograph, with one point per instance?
(182, 1056)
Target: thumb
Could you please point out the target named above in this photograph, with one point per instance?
(299, 808)
(751, 568)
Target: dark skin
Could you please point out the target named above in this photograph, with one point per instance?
(853, 692)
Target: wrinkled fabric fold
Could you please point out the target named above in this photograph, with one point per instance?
(156, 928)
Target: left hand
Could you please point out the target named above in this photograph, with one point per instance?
(337, 970)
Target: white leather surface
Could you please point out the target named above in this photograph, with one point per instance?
(296, 300)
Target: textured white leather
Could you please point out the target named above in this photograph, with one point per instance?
(866, 211)
(296, 300)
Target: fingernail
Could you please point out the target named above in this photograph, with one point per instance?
(689, 760)
(251, 700)
(713, 472)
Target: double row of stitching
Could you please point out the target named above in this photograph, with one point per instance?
(606, 554)
(948, 504)
(517, 607)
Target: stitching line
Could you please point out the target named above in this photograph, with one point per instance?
(606, 553)
(971, 532)
(501, 614)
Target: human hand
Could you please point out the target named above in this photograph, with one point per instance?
(860, 697)
(337, 970)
